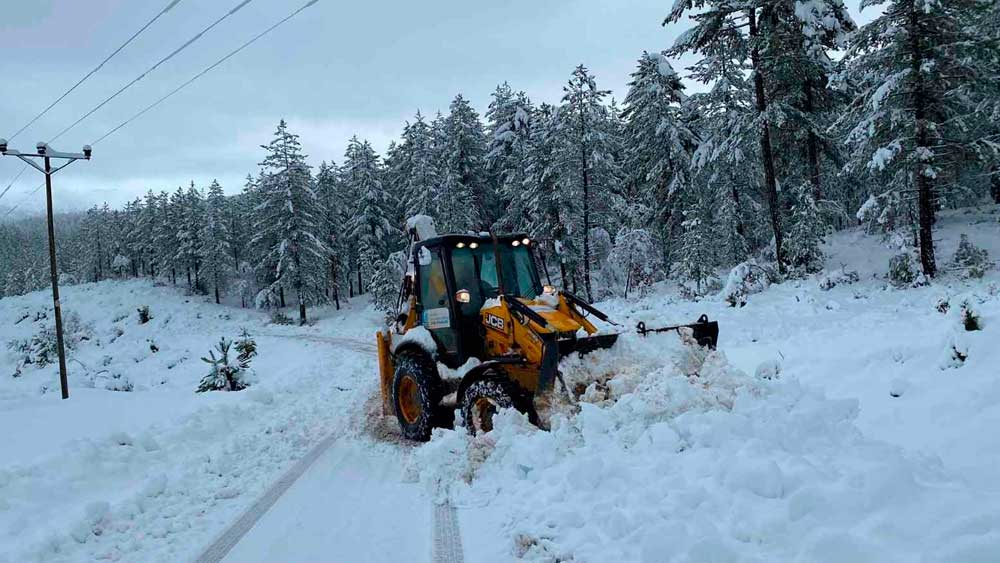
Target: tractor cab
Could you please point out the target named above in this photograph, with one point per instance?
(455, 276)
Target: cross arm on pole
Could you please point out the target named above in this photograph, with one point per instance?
(26, 159)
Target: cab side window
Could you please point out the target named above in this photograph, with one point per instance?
(435, 312)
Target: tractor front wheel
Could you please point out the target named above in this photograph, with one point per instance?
(416, 393)
(484, 398)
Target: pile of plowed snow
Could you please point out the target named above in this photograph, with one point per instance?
(685, 458)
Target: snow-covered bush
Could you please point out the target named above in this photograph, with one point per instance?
(227, 372)
(744, 280)
(970, 318)
(902, 271)
(970, 259)
(842, 276)
(144, 315)
(246, 347)
(280, 318)
(117, 382)
(41, 349)
(633, 261)
(384, 285)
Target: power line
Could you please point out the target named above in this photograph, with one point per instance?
(205, 71)
(176, 51)
(169, 7)
(7, 189)
(18, 204)
(181, 87)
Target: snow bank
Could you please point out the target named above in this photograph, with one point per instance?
(688, 459)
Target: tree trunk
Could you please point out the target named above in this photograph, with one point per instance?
(217, 302)
(333, 279)
(360, 291)
(302, 311)
(995, 184)
(586, 207)
(925, 187)
(812, 143)
(281, 296)
(766, 152)
(188, 276)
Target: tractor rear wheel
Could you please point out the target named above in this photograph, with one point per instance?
(482, 399)
(417, 391)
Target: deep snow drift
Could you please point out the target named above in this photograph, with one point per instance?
(832, 425)
(846, 423)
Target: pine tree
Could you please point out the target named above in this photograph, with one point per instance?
(922, 75)
(659, 146)
(466, 202)
(290, 222)
(370, 227)
(336, 210)
(717, 23)
(215, 251)
(584, 157)
(508, 132)
(697, 253)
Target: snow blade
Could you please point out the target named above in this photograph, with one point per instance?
(705, 332)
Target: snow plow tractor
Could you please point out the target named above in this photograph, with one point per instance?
(475, 305)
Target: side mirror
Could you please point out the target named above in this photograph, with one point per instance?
(463, 296)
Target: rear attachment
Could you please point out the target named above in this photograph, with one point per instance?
(704, 332)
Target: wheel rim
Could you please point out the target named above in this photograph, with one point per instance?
(483, 410)
(409, 399)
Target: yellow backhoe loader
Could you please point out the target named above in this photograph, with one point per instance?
(476, 305)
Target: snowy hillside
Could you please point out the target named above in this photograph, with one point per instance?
(852, 423)
(136, 465)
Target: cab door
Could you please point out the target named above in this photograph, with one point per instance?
(435, 301)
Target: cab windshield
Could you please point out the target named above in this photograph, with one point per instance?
(476, 270)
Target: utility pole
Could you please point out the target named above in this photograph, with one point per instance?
(46, 154)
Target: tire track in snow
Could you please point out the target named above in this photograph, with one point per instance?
(447, 537)
(215, 552)
(354, 344)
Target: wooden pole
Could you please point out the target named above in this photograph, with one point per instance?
(63, 380)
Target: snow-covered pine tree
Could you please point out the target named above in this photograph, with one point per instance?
(95, 231)
(718, 22)
(370, 229)
(466, 202)
(508, 131)
(806, 231)
(336, 211)
(422, 185)
(921, 77)
(696, 258)
(635, 258)
(290, 216)
(659, 145)
(192, 211)
(215, 252)
(585, 160)
(545, 217)
(795, 39)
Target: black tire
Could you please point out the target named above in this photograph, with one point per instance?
(417, 391)
(484, 397)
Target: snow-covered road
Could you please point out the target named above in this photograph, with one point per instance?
(351, 505)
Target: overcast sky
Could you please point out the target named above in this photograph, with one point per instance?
(338, 69)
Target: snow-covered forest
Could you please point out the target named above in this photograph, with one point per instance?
(801, 125)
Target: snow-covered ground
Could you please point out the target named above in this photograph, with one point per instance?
(830, 426)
